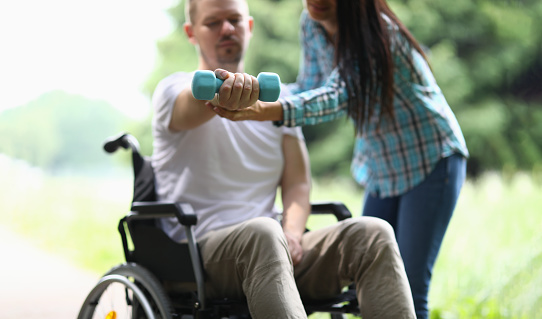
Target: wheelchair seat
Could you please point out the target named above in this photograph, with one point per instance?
(165, 279)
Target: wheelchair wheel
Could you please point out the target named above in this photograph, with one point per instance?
(127, 291)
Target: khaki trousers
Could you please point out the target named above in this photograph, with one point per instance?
(251, 260)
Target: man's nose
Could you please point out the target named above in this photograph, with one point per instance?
(227, 28)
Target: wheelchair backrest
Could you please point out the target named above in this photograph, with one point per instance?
(144, 182)
(152, 248)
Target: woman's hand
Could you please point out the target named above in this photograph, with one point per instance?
(259, 111)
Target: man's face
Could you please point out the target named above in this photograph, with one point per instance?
(221, 29)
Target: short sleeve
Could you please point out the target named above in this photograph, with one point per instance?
(165, 94)
(293, 131)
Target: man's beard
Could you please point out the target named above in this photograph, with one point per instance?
(229, 55)
(229, 58)
(229, 63)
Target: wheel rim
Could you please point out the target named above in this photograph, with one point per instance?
(103, 301)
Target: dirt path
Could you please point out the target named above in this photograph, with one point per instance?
(36, 284)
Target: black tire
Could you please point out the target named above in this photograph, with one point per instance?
(127, 289)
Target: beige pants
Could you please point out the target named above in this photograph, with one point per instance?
(252, 259)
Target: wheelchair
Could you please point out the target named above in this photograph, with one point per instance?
(146, 285)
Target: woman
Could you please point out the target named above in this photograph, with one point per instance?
(410, 154)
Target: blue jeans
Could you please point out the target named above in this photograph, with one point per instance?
(420, 218)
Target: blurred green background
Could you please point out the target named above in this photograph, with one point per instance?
(58, 187)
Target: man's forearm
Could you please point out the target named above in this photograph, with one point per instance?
(189, 113)
(296, 209)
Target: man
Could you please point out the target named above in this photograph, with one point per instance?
(229, 172)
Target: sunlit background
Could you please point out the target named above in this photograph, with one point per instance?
(100, 49)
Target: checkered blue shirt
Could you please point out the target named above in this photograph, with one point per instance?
(399, 155)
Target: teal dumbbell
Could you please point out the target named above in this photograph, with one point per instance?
(205, 85)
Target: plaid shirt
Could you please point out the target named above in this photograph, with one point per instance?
(399, 154)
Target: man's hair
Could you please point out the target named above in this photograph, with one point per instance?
(190, 10)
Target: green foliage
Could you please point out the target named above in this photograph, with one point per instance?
(59, 131)
(275, 43)
(330, 144)
(489, 265)
(486, 56)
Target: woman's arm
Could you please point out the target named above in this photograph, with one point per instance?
(311, 107)
(310, 75)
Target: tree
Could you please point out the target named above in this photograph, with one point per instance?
(486, 56)
(60, 131)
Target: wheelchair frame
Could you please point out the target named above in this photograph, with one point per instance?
(144, 279)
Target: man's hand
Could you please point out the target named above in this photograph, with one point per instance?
(294, 245)
(238, 91)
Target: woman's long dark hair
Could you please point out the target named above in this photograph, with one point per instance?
(363, 56)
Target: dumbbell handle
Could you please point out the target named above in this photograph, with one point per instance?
(205, 85)
(218, 84)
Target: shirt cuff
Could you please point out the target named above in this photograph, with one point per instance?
(285, 112)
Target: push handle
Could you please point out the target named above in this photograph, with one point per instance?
(123, 140)
(205, 85)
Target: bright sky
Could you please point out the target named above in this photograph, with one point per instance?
(102, 49)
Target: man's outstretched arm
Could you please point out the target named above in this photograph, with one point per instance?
(238, 91)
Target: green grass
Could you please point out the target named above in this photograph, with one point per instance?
(490, 264)
(74, 217)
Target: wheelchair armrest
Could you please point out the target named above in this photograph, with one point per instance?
(183, 211)
(336, 208)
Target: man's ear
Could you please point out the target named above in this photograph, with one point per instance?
(189, 32)
(250, 23)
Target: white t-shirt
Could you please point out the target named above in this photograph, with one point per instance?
(228, 171)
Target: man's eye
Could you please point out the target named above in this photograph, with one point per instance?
(212, 24)
(235, 21)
